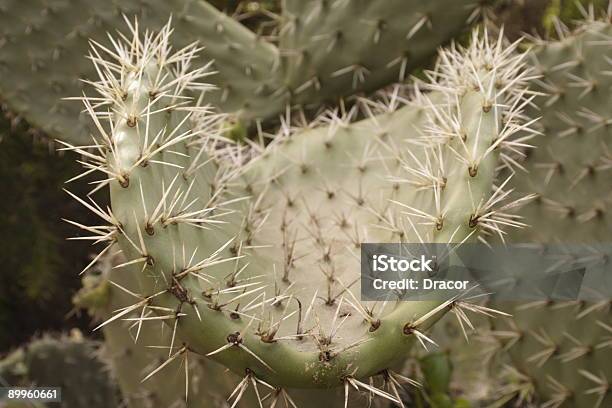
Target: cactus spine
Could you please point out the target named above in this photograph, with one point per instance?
(130, 361)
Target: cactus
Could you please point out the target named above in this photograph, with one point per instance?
(57, 33)
(333, 48)
(321, 54)
(248, 254)
(560, 349)
(576, 80)
(552, 353)
(69, 362)
(130, 362)
(241, 229)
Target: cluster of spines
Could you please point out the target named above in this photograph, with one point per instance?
(57, 35)
(477, 127)
(324, 60)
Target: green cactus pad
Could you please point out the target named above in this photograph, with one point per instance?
(552, 353)
(561, 349)
(249, 254)
(34, 79)
(130, 352)
(337, 48)
(255, 79)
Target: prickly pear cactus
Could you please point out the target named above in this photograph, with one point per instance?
(68, 362)
(130, 361)
(326, 50)
(552, 353)
(131, 351)
(334, 48)
(248, 255)
(58, 31)
(572, 183)
(560, 350)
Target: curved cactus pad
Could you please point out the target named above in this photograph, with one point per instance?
(250, 254)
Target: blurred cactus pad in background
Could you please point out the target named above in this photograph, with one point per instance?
(188, 184)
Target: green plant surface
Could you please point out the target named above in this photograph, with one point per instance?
(317, 53)
(68, 362)
(556, 353)
(561, 349)
(56, 35)
(129, 361)
(225, 249)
